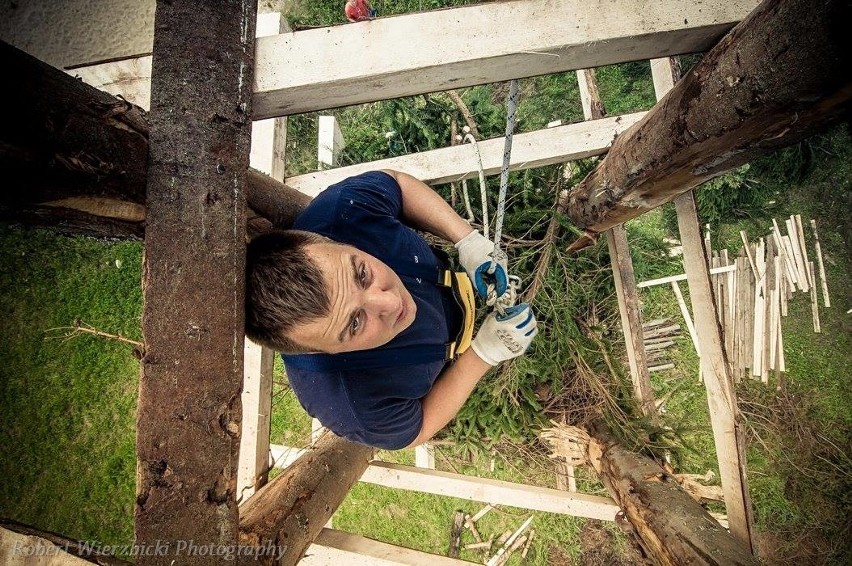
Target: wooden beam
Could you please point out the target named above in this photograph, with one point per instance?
(256, 397)
(89, 176)
(338, 547)
(631, 325)
(531, 149)
(289, 512)
(473, 488)
(329, 142)
(64, 150)
(188, 416)
(721, 398)
(268, 144)
(622, 272)
(776, 78)
(486, 490)
(485, 43)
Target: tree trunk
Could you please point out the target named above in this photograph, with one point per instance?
(286, 515)
(75, 158)
(671, 527)
(193, 280)
(779, 76)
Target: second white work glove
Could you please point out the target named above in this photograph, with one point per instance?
(475, 255)
(507, 336)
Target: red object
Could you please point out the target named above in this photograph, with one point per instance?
(358, 10)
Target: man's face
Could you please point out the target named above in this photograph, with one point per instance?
(369, 303)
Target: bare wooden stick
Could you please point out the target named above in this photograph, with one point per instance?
(800, 232)
(496, 559)
(481, 513)
(788, 250)
(814, 301)
(801, 266)
(823, 281)
(527, 545)
(789, 269)
(747, 248)
(472, 527)
(663, 367)
(686, 316)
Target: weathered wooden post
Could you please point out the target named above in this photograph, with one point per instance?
(188, 422)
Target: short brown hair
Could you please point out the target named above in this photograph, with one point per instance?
(284, 287)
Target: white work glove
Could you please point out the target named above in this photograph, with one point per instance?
(507, 336)
(475, 255)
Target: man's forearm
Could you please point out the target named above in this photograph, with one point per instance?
(424, 209)
(449, 393)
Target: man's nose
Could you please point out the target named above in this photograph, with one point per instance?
(382, 302)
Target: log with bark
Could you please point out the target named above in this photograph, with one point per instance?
(75, 159)
(288, 513)
(671, 527)
(779, 76)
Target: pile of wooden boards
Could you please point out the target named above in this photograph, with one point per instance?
(751, 293)
(658, 335)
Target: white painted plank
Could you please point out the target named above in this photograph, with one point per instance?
(268, 141)
(257, 407)
(495, 492)
(532, 149)
(410, 54)
(424, 456)
(338, 548)
(329, 142)
(686, 316)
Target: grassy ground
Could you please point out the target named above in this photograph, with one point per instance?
(67, 406)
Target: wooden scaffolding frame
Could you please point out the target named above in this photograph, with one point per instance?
(431, 62)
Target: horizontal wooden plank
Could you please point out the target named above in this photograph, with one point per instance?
(532, 149)
(321, 68)
(486, 490)
(338, 547)
(682, 276)
(491, 491)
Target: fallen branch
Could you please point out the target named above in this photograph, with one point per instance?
(81, 327)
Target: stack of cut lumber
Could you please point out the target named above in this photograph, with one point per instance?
(752, 297)
(658, 335)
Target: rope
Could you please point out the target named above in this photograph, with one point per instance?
(508, 298)
(468, 137)
(507, 157)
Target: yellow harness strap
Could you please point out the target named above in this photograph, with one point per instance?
(462, 289)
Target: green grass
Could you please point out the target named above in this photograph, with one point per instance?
(67, 406)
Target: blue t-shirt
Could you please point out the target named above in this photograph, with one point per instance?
(379, 407)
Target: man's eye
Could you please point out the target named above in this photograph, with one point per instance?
(355, 324)
(362, 275)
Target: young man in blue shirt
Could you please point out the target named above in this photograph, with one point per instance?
(371, 328)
